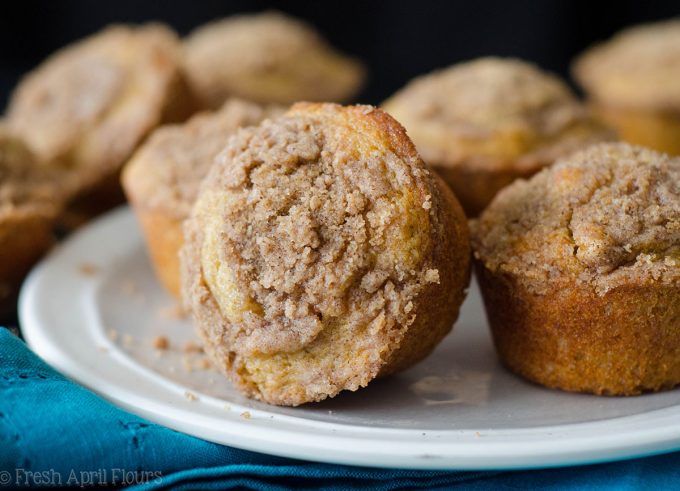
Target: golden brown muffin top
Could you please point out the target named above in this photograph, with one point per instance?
(638, 68)
(323, 217)
(269, 58)
(168, 169)
(608, 215)
(492, 112)
(25, 187)
(90, 103)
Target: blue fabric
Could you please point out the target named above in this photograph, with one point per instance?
(53, 431)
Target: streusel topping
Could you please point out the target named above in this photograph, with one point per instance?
(311, 221)
(608, 216)
(493, 108)
(112, 82)
(168, 169)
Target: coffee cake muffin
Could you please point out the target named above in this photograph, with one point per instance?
(484, 123)
(87, 107)
(632, 82)
(580, 272)
(321, 253)
(29, 204)
(162, 178)
(268, 58)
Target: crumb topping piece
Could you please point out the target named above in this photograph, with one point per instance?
(608, 215)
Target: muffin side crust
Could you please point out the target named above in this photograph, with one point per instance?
(29, 204)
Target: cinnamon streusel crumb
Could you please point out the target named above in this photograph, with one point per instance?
(605, 216)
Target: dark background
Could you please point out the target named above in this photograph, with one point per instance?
(397, 39)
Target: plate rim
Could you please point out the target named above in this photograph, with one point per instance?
(310, 439)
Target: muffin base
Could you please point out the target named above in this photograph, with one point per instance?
(163, 236)
(653, 129)
(624, 342)
(475, 188)
(24, 238)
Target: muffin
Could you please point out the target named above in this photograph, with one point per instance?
(484, 123)
(86, 108)
(321, 253)
(580, 272)
(29, 204)
(632, 83)
(162, 178)
(268, 58)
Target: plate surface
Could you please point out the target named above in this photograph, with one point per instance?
(93, 308)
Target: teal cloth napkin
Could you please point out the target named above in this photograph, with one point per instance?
(55, 432)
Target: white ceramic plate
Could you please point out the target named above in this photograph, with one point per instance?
(456, 410)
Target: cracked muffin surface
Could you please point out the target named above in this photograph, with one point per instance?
(483, 123)
(579, 268)
(162, 178)
(268, 58)
(605, 216)
(321, 253)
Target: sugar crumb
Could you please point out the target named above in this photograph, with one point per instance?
(87, 269)
(171, 312)
(432, 276)
(192, 347)
(202, 364)
(161, 343)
